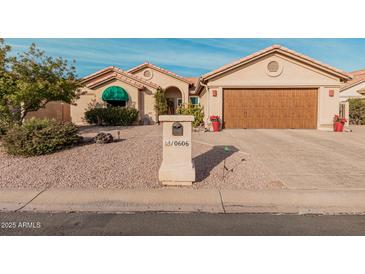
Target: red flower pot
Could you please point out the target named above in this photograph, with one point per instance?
(338, 127)
(215, 126)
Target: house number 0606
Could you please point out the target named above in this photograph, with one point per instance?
(170, 143)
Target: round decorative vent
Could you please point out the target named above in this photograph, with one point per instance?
(273, 66)
(147, 74)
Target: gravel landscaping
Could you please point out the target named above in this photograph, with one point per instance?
(132, 161)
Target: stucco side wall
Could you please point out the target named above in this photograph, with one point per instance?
(147, 109)
(294, 74)
(327, 106)
(215, 102)
(165, 81)
(352, 92)
(94, 95)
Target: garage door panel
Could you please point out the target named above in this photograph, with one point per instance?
(270, 108)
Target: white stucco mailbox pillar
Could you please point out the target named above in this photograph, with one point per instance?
(177, 166)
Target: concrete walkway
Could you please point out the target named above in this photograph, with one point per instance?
(185, 200)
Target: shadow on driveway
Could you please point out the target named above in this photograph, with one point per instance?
(205, 162)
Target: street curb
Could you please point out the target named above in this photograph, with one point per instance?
(13, 199)
(283, 201)
(170, 200)
(295, 201)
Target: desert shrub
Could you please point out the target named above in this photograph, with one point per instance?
(5, 123)
(357, 111)
(40, 136)
(195, 110)
(112, 116)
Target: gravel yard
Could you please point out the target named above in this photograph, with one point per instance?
(132, 162)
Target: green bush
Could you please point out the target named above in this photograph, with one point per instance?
(357, 111)
(195, 110)
(112, 116)
(5, 123)
(40, 136)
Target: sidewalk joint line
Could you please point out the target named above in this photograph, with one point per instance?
(31, 200)
(220, 195)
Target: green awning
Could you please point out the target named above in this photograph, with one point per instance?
(115, 93)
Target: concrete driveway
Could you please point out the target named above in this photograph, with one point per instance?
(303, 159)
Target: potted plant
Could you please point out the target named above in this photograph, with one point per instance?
(215, 122)
(338, 123)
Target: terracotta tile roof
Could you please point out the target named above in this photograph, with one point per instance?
(99, 72)
(114, 72)
(137, 78)
(277, 48)
(358, 78)
(152, 66)
(112, 76)
(358, 72)
(192, 80)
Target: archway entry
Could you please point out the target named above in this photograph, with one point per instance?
(173, 97)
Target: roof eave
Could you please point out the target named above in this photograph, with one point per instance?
(119, 71)
(352, 85)
(96, 74)
(112, 77)
(137, 68)
(309, 61)
(152, 66)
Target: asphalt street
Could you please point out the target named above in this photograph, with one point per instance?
(23, 223)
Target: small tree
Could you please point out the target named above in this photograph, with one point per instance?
(160, 102)
(34, 79)
(7, 83)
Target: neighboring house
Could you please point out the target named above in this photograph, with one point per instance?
(355, 88)
(273, 88)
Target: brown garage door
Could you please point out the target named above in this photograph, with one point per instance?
(270, 108)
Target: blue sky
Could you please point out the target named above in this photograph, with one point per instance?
(189, 57)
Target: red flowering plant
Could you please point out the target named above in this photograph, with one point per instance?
(214, 118)
(338, 119)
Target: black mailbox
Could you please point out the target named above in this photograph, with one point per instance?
(177, 129)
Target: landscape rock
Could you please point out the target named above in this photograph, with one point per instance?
(103, 138)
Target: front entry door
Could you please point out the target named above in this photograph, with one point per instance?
(170, 106)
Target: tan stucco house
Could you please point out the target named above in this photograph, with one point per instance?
(273, 88)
